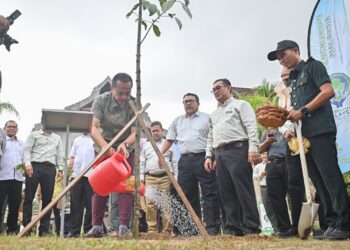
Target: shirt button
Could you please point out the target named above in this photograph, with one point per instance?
(293, 87)
(295, 103)
(294, 80)
(293, 95)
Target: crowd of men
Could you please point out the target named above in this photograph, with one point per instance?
(214, 168)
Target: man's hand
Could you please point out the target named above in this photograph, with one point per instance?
(122, 149)
(288, 134)
(59, 175)
(29, 171)
(270, 139)
(109, 152)
(254, 158)
(295, 115)
(209, 165)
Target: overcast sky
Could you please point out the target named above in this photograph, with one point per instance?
(68, 47)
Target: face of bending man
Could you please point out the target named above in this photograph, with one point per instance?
(121, 91)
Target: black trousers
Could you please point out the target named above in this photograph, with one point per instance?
(277, 188)
(296, 189)
(191, 172)
(81, 195)
(13, 190)
(235, 181)
(57, 215)
(43, 174)
(325, 174)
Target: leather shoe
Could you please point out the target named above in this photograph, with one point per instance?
(44, 234)
(321, 234)
(93, 234)
(338, 234)
(72, 235)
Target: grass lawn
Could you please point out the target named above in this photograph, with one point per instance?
(222, 242)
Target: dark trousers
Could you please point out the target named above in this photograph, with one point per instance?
(67, 219)
(43, 174)
(13, 190)
(191, 172)
(125, 204)
(277, 188)
(325, 174)
(268, 207)
(296, 189)
(235, 181)
(81, 195)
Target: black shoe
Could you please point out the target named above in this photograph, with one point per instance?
(338, 234)
(234, 233)
(213, 231)
(72, 235)
(289, 233)
(44, 234)
(93, 234)
(321, 234)
(292, 231)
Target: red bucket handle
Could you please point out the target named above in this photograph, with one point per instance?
(121, 157)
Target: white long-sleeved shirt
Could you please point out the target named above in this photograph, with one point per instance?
(83, 153)
(149, 160)
(233, 121)
(41, 147)
(12, 156)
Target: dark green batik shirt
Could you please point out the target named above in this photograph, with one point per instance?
(305, 81)
(113, 117)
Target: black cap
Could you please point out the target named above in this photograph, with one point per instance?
(282, 45)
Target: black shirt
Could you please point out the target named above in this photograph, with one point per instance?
(305, 81)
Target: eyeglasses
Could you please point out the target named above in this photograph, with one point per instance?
(188, 101)
(217, 88)
(123, 93)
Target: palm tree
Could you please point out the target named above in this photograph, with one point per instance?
(8, 107)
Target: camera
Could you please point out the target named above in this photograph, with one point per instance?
(5, 38)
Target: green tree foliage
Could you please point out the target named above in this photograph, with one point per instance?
(8, 107)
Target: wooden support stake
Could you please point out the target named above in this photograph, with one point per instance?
(164, 165)
(71, 184)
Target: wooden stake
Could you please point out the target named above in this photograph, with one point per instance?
(164, 165)
(70, 185)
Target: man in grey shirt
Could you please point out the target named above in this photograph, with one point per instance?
(231, 149)
(42, 154)
(191, 131)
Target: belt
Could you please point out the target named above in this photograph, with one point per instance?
(157, 175)
(193, 154)
(231, 145)
(277, 160)
(46, 163)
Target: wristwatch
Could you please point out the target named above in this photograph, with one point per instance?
(305, 111)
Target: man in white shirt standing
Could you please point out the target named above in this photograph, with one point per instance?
(231, 149)
(42, 154)
(81, 155)
(11, 180)
(152, 175)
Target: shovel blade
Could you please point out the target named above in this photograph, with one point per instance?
(307, 218)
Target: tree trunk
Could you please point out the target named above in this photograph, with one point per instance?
(137, 143)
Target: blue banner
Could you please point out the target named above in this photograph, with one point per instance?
(329, 42)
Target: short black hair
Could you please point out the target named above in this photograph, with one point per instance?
(156, 123)
(10, 121)
(191, 94)
(225, 81)
(123, 77)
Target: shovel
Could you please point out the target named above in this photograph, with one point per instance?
(309, 208)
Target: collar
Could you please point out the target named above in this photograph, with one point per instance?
(11, 139)
(226, 102)
(43, 133)
(195, 114)
(299, 66)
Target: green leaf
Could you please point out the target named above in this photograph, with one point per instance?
(161, 2)
(179, 23)
(156, 30)
(144, 24)
(187, 10)
(187, 2)
(167, 5)
(171, 15)
(152, 8)
(132, 10)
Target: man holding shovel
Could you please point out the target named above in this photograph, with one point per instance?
(310, 98)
